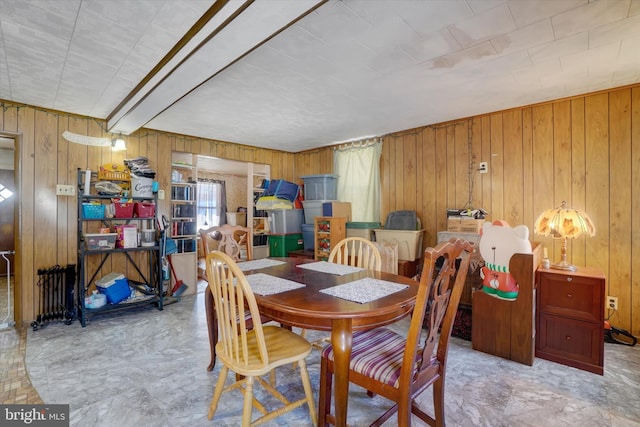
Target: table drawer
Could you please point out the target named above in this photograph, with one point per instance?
(572, 296)
(568, 341)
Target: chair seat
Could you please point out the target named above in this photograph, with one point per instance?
(283, 347)
(377, 354)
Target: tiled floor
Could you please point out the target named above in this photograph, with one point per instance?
(15, 383)
(147, 368)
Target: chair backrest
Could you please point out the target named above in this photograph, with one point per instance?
(438, 301)
(231, 292)
(231, 239)
(389, 255)
(356, 252)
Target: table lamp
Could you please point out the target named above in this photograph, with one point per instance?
(564, 223)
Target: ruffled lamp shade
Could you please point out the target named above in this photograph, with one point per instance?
(564, 223)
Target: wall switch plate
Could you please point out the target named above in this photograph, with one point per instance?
(483, 167)
(160, 194)
(65, 190)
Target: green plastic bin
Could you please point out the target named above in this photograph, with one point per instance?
(281, 244)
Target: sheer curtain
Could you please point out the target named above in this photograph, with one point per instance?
(358, 166)
(211, 203)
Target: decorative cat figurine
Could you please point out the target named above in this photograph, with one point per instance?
(498, 242)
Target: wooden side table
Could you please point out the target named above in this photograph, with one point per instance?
(570, 317)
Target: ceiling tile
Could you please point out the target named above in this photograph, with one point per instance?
(526, 12)
(533, 35)
(559, 48)
(616, 31)
(487, 25)
(589, 16)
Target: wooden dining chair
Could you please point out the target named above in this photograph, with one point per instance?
(356, 252)
(230, 239)
(251, 352)
(398, 368)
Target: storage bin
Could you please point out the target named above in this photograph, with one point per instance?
(101, 241)
(338, 209)
(409, 242)
(308, 236)
(237, 218)
(281, 245)
(92, 211)
(402, 220)
(285, 221)
(282, 189)
(362, 229)
(115, 286)
(320, 187)
(260, 252)
(141, 186)
(123, 210)
(144, 209)
(312, 209)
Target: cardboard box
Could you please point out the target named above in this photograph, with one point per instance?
(464, 225)
(337, 209)
(127, 236)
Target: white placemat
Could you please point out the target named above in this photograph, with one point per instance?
(265, 284)
(330, 267)
(364, 290)
(257, 264)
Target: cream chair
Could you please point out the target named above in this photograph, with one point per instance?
(389, 255)
(356, 252)
(255, 352)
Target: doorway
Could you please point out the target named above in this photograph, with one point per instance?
(8, 196)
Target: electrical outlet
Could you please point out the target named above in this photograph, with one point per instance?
(612, 303)
(65, 190)
(483, 167)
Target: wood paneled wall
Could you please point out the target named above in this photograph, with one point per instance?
(48, 224)
(584, 150)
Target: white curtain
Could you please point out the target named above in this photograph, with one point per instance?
(358, 166)
(211, 203)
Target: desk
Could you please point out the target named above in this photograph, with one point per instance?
(310, 309)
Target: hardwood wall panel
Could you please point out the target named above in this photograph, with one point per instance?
(619, 207)
(584, 150)
(578, 171)
(634, 250)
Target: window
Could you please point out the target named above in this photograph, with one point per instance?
(211, 203)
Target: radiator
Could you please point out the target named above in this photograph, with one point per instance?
(56, 291)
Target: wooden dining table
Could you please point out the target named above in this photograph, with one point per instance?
(308, 308)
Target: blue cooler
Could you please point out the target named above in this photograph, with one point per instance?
(115, 286)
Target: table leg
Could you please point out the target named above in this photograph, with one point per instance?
(212, 326)
(341, 340)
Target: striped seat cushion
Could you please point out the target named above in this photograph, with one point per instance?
(376, 353)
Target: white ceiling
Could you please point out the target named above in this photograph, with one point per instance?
(299, 74)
